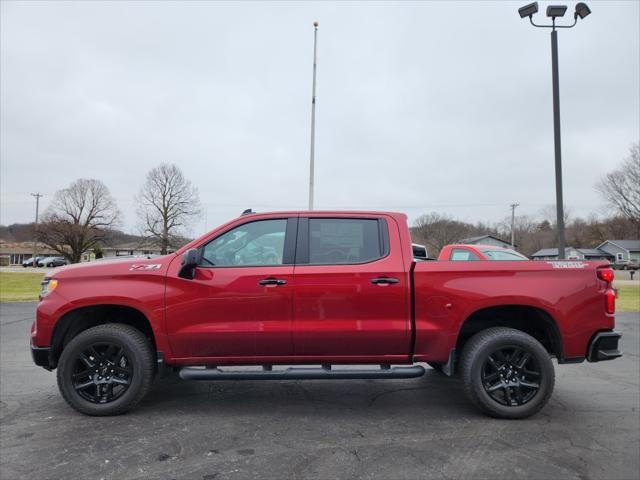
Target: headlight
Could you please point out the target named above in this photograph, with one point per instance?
(47, 286)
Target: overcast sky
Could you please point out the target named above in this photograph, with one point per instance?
(431, 106)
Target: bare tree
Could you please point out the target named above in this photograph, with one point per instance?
(167, 202)
(549, 214)
(437, 230)
(621, 188)
(78, 218)
(527, 233)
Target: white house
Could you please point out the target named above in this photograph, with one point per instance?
(133, 249)
(622, 251)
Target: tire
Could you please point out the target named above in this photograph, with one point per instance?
(111, 380)
(495, 368)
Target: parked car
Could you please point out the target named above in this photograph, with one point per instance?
(345, 289)
(52, 262)
(29, 262)
(465, 253)
(632, 264)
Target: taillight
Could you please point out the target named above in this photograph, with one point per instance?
(610, 301)
(606, 274)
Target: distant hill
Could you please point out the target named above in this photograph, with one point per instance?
(23, 232)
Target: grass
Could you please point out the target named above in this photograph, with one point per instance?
(19, 287)
(628, 298)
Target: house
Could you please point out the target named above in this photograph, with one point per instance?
(18, 252)
(622, 251)
(14, 253)
(486, 240)
(133, 249)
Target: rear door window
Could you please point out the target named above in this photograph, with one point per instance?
(334, 241)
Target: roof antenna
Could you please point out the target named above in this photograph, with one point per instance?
(247, 212)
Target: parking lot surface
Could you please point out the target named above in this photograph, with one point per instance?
(387, 429)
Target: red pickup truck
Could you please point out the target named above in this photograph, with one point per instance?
(472, 253)
(336, 294)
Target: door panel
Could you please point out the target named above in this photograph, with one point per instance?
(226, 312)
(338, 310)
(231, 309)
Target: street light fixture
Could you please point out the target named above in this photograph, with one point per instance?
(528, 10)
(556, 11)
(581, 10)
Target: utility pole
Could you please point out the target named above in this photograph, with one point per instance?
(513, 224)
(35, 228)
(313, 115)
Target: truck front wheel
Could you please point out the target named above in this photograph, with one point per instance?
(507, 373)
(106, 370)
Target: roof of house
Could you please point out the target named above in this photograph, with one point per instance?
(481, 237)
(594, 252)
(23, 248)
(631, 245)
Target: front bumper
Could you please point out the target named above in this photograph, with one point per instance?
(604, 346)
(40, 356)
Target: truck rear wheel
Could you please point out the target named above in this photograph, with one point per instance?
(507, 373)
(106, 370)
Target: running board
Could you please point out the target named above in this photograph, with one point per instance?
(324, 373)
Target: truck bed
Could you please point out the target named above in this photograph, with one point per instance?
(568, 294)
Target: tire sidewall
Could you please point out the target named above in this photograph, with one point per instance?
(543, 360)
(68, 360)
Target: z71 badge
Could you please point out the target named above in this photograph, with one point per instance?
(149, 266)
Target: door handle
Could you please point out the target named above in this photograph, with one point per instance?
(384, 281)
(272, 281)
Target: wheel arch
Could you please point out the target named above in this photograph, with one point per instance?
(80, 319)
(531, 320)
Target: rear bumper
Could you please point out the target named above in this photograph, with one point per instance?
(604, 346)
(40, 356)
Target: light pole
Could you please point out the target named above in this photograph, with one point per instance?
(35, 228)
(556, 11)
(513, 224)
(313, 116)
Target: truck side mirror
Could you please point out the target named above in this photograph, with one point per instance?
(190, 260)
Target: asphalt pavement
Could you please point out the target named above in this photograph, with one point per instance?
(379, 429)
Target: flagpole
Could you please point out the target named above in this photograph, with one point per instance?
(313, 117)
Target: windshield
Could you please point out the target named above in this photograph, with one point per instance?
(503, 254)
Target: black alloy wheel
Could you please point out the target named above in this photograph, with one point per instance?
(511, 376)
(102, 372)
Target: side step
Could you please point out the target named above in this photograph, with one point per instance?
(324, 373)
